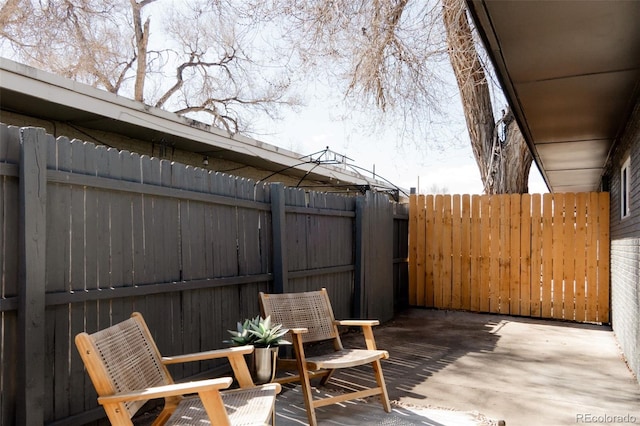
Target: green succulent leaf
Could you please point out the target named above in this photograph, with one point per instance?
(260, 332)
(242, 336)
(265, 333)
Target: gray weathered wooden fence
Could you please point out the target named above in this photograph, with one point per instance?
(90, 234)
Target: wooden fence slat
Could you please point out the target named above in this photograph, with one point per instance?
(558, 255)
(153, 221)
(200, 243)
(525, 255)
(438, 220)
(170, 250)
(229, 231)
(485, 253)
(604, 247)
(421, 239)
(191, 225)
(248, 232)
(446, 272)
(92, 308)
(579, 254)
(135, 262)
(167, 221)
(494, 254)
(82, 315)
(77, 273)
(60, 255)
(568, 256)
(103, 241)
(119, 235)
(456, 253)
(413, 250)
(465, 242)
(211, 335)
(431, 243)
(476, 254)
(592, 258)
(124, 242)
(505, 253)
(547, 255)
(514, 254)
(56, 252)
(156, 227)
(536, 255)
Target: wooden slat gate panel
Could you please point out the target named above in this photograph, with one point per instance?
(544, 256)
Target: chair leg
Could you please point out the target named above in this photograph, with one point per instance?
(170, 405)
(162, 418)
(214, 406)
(304, 379)
(326, 377)
(308, 399)
(384, 396)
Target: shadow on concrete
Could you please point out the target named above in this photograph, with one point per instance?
(419, 347)
(477, 369)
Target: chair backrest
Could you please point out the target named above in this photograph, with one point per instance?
(123, 358)
(311, 310)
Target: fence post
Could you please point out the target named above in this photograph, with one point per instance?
(31, 250)
(278, 221)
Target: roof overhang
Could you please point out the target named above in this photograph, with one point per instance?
(571, 73)
(32, 92)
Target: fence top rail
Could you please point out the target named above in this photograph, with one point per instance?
(106, 183)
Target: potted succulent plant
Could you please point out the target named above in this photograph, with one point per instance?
(266, 337)
(241, 335)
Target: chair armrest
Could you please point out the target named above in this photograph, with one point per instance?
(234, 354)
(201, 356)
(366, 330)
(357, 322)
(174, 389)
(299, 330)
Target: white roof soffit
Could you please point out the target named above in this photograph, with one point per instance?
(571, 72)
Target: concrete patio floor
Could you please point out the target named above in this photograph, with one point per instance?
(459, 368)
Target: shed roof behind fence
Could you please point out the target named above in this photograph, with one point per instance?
(36, 93)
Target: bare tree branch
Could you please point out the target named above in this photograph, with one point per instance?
(229, 123)
(193, 63)
(371, 69)
(142, 41)
(115, 46)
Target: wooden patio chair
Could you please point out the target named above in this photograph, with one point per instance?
(309, 317)
(127, 370)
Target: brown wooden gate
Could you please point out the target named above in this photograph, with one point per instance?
(540, 255)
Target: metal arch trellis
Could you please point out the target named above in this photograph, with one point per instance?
(329, 157)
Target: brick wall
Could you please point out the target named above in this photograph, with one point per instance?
(625, 246)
